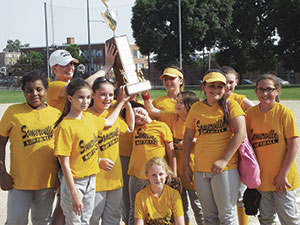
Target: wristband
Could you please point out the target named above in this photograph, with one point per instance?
(146, 96)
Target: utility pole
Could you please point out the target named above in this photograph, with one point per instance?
(47, 47)
(52, 22)
(89, 38)
(179, 33)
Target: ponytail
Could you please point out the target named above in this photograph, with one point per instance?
(65, 112)
(222, 103)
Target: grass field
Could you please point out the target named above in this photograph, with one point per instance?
(287, 93)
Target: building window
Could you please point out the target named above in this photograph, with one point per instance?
(135, 54)
(93, 53)
(99, 53)
(139, 66)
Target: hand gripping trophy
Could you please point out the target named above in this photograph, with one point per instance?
(124, 67)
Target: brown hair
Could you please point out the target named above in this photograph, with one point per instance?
(227, 70)
(274, 79)
(189, 98)
(157, 161)
(222, 101)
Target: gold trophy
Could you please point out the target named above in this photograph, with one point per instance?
(124, 67)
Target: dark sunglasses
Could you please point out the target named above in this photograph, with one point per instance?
(105, 79)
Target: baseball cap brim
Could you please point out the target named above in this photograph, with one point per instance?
(172, 72)
(67, 61)
(214, 77)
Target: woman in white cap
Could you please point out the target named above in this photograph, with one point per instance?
(216, 159)
(62, 66)
(173, 83)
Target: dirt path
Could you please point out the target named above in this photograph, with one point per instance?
(294, 105)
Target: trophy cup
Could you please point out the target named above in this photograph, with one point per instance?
(124, 67)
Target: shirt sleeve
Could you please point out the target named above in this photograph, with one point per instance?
(235, 109)
(167, 134)
(63, 142)
(138, 209)
(6, 123)
(178, 208)
(289, 124)
(123, 125)
(190, 121)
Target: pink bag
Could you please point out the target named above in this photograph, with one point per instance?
(248, 165)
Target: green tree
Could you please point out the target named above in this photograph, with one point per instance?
(75, 52)
(31, 61)
(155, 27)
(248, 43)
(14, 46)
(286, 18)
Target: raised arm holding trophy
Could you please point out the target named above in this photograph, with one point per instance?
(124, 67)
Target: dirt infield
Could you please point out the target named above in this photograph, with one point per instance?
(294, 105)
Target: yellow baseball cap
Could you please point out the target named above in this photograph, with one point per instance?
(172, 72)
(214, 77)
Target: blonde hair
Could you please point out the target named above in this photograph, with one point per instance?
(157, 161)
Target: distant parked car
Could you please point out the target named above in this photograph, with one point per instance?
(282, 81)
(246, 81)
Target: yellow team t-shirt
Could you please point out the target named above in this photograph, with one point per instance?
(268, 133)
(53, 98)
(239, 99)
(212, 135)
(164, 103)
(78, 139)
(177, 126)
(126, 144)
(32, 163)
(108, 141)
(148, 142)
(154, 210)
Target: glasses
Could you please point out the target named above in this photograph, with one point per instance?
(105, 79)
(265, 90)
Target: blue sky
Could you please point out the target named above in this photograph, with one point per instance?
(24, 20)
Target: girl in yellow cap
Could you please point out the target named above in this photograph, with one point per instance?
(216, 159)
(173, 82)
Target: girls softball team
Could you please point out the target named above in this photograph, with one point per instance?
(175, 134)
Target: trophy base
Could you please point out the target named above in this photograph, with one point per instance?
(138, 87)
